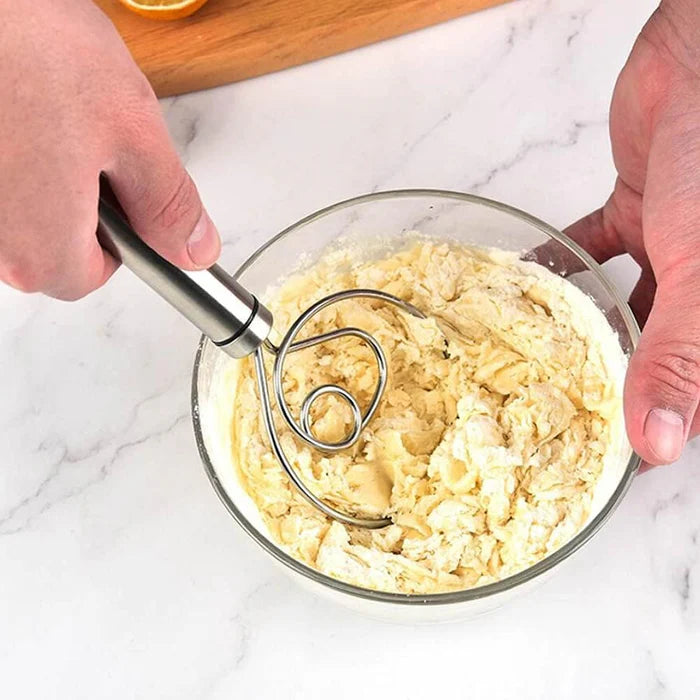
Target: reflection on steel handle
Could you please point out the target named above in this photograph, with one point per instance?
(211, 299)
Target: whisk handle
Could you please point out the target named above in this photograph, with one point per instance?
(211, 299)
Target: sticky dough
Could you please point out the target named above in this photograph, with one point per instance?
(499, 415)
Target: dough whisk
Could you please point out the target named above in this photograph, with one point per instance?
(235, 321)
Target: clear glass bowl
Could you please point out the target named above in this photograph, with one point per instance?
(389, 216)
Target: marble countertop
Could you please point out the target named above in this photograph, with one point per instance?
(121, 576)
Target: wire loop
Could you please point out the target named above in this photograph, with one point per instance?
(302, 428)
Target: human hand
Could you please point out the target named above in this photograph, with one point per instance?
(654, 215)
(74, 104)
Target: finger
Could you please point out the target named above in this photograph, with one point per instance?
(603, 234)
(86, 266)
(611, 230)
(59, 257)
(84, 274)
(595, 234)
(642, 296)
(662, 390)
(159, 197)
(85, 277)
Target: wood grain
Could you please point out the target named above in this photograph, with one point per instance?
(229, 40)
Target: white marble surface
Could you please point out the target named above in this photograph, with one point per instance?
(121, 576)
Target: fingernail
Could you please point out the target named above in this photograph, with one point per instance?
(665, 434)
(204, 245)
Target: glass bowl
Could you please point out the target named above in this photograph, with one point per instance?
(388, 217)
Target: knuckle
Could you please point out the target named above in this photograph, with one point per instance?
(138, 95)
(142, 89)
(135, 101)
(138, 112)
(179, 204)
(678, 372)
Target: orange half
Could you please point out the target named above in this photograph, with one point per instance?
(163, 9)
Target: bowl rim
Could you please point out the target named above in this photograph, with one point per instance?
(450, 597)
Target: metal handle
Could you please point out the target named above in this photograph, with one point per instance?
(211, 299)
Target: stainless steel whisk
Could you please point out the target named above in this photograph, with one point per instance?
(239, 324)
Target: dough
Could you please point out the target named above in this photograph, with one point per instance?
(500, 413)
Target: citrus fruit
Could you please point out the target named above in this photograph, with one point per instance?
(163, 9)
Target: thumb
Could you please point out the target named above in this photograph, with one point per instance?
(662, 389)
(159, 197)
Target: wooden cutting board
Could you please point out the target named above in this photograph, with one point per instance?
(229, 40)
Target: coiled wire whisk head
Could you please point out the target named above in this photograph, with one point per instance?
(302, 428)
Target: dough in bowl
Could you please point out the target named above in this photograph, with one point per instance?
(503, 408)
